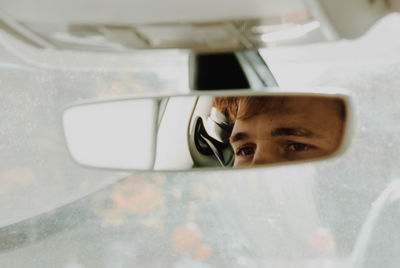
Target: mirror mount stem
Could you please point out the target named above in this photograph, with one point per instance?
(229, 70)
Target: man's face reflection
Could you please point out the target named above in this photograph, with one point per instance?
(295, 129)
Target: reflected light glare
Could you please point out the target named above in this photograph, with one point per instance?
(291, 33)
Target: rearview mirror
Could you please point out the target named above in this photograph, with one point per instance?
(242, 129)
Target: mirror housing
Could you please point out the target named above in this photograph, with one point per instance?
(208, 130)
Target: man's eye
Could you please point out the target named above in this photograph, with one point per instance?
(245, 151)
(298, 147)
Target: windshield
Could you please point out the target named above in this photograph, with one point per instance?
(57, 213)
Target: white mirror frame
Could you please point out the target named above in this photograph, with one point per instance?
(276, 91)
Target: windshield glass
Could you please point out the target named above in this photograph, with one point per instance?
(57, 213)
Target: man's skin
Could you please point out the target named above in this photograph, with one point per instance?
(301, 129)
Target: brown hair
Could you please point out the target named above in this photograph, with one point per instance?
(243, 107)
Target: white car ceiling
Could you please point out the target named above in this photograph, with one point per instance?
(145, 11)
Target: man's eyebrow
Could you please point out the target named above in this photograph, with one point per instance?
(238, 136)
(300, 132)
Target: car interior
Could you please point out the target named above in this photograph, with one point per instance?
(199, 134)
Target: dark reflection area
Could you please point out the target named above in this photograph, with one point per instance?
(277, 129)
(217, 71)
(241, 69)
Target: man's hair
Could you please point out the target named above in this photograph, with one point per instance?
(244, 107)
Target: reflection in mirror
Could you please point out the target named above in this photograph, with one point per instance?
(204, 131)
(268, 130)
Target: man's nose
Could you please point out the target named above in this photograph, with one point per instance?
(266, 154)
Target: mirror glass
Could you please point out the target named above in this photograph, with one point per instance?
(112, 134)
(206, 131)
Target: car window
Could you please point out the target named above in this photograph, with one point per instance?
(35, 164)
